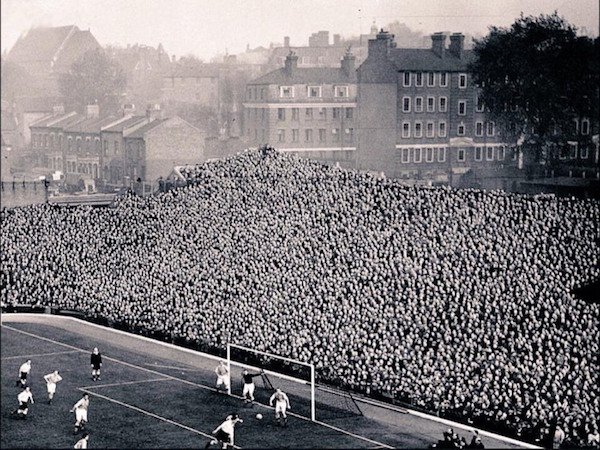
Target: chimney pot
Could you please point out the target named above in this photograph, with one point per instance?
(438, 44)
(457, 44)
(291, 63)
(286, 41)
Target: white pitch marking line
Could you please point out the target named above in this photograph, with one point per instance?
(203, 387)
(148, 413)
(39, 355)
(184, 369)
(124, 383)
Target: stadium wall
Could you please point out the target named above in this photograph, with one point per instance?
(21, 193)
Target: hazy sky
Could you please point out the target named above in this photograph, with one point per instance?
(208, 27)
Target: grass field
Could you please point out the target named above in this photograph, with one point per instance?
(151, 396)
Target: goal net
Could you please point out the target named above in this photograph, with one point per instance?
(295, 378)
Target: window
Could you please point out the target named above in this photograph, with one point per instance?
(45, 140)
(460, 129)
(349, 113)
(501, 153)
(478, 128)
(295, 113)
(478, 153)
(322, 113)
(405, 129)
(406, 79)
(418, 155)
(430, 129)
(419, 79)
(576, 122)
(281, 113)
(430, 79)
(341, 91)
(443, 79)
(263, 117)
(322, 135)
(584, 152)
(491, 128)
(442, 129)
(295, 135)
(336, 113)
(418, 129)
(418, 104)
(309, 114)
(335, 133)
(443, 104)
(462, 107)
(573, 150)
(489, 153)
(429, 154)
(314, 91)
(308, 135)
(286, 91)
(280, 135)
(116, 148)
(406, 104)
(430, 104)
(249, 95)
(349, 134)
(405, 155)
(514, 152)
(585, 126)
(479, 107)
(462, 80)
(70, 145)
(461, 154)
(441, 154)
(262, 93)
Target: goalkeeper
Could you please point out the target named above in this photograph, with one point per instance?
(248, 391)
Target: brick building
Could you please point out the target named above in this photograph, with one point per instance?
(192, 83)
(306, 110)
(152, 150)
(419, 117)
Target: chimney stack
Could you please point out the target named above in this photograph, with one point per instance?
(380, 46)
(348, 63)
(286, 42)
(337, 40)
(438, 44)
(291, 63)
(457, 44)
(57, 110)
(153, 112)
(92, 111)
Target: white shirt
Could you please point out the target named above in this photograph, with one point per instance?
(25, 367)
(25, 396)
(52, 378)
(82, 404)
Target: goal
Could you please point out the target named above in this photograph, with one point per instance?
(295, 378)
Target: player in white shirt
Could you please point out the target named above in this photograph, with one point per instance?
(81, 410)
(223, 377)
(24, 398)
(23, 372)
(51, 380)
(83, 442)
(282, 403)
(224, 433)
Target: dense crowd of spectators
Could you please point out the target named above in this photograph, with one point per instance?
(459, 301)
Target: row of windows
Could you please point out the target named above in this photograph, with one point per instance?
(432, 79)
(416, 129)
(430, 154)
(309, 135)
(419, 104)
(311, 92)
(309, 113)
(572, 150)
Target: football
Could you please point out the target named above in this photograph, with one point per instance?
(259, 416)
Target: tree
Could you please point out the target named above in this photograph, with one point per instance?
(536, 78)
(93, 79)
(15, 81)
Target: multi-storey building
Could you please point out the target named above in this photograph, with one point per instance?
(306, 110)
(419, 117)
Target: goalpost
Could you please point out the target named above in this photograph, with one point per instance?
(296, 378)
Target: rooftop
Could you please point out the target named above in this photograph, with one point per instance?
(124, 124)
(305, 75)
(140, 132)
(57, 121)
(425, 59)
(91, 125)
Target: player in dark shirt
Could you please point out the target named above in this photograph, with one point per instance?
(96, 363)
(249, 386)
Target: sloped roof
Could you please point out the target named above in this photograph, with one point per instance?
(140, 132)
(119, 127)
(39, 44)
(193, 71)
(57, 121)
(91, 125)
(305, 75)
(79, 43)
(425, 59)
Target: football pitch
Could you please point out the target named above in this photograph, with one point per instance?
(157, 396)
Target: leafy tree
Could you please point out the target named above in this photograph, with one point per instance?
(93, 79)
(537, 77)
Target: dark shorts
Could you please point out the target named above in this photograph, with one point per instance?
(22, 406)
(23, 375)
(222, 436)
(96, 366)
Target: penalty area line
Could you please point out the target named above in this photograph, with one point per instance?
(39, 355)
(124, 383)
(148, 413)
